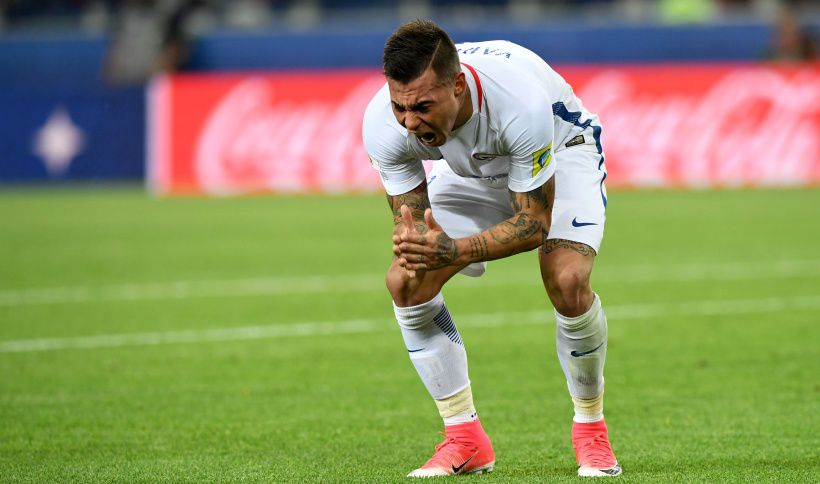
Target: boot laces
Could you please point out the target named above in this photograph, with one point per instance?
(447, 441)
(448, 449)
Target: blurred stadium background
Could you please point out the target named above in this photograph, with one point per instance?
(155, 326)
(728, 81)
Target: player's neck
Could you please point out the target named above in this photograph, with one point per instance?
(465, 112)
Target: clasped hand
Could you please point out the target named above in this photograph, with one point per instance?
(422, 251)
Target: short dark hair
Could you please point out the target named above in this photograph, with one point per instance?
(417, 45)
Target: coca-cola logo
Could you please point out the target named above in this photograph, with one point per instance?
(742, 126)
(752, 126)
(255, 140)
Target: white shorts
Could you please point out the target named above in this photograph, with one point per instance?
(467, 206)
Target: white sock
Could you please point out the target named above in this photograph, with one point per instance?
(435, 347)
(581, 346)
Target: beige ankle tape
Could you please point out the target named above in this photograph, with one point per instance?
(589, 409)
(459, 404)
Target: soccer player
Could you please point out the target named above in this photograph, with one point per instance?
(519, 166)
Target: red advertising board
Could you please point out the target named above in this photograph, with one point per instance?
(666, 125)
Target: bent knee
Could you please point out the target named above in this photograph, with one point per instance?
(409, 291)
(569, 279)
(397, 281)
(569, 290)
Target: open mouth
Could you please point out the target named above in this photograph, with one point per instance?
(428, 138)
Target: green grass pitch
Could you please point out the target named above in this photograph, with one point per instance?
(252, 340)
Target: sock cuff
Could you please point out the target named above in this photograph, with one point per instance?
(580, 322)
(420, 315)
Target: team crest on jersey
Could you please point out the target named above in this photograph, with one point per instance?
(578, 140)
(540, 159)
(485, 156)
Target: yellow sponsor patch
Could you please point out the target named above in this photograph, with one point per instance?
(540, 159)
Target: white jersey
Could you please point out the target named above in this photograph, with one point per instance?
(523, 113)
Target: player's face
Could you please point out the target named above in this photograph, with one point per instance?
(427, 106)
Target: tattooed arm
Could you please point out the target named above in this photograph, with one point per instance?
(416, 200)
(525, 230)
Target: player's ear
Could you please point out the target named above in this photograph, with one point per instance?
(460, 84)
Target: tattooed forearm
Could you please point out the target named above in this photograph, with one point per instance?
(520, 227)
(478, 247)
(416, 200)
(533, 211)
(550, 245)
(524, 231)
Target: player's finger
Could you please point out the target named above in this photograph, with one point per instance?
(410, 248)
(414, 258)
(430, 221)
(407, 218)
(414, 238)
(416, 267)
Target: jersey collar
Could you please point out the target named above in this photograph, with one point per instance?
(474, 83)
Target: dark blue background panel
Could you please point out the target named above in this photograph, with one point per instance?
(80, 134)
(346, 48)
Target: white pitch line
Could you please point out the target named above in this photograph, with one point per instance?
(189, 289)
(375, 282)
(509, 319)
(721, 272)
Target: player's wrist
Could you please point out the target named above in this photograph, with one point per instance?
(467, 250)
(462, 252)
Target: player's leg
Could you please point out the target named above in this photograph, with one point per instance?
(566, 261)
(438, 354)
(432, 339)
(581, 326)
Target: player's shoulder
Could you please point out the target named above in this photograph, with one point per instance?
(514, 80)
(493, 48)
(378, 106)
(500, 56)
(506, 68)
(378, 122)
(516, 77)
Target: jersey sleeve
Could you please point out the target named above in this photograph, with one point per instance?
(400, 169)
(529, 138)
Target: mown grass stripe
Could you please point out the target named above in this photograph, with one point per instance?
(374, 282)
(618, 312)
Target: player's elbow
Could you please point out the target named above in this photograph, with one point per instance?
(533, 243)
(538, 239)
(533, 228)
(540, 219)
